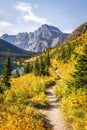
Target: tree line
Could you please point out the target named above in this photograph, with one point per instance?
(40, 67)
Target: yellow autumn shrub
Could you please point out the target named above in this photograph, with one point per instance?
(28, 119)
(74, 109)
(18, 104)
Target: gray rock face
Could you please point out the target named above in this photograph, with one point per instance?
(44, 37)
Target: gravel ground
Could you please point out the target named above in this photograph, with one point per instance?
(53, 114)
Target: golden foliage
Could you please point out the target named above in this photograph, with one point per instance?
(17, 109)
(74, 109)
(73, 103)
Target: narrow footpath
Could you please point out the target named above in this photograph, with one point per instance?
(53, 114)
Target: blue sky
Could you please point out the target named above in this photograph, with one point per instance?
(27, 15)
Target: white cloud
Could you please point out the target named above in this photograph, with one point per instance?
(4, 24)
(28, 15)
(24, 7)
(35, 19)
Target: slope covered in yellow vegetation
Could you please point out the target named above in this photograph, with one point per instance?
(18, 105)
(73, 102)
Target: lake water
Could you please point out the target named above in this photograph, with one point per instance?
(20, 69)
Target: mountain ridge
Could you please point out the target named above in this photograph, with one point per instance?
(6, 47)
(44, 37)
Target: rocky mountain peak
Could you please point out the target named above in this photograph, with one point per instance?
(44, 37)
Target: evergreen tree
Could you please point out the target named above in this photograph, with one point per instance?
(36, 67)
(28, 68)
(42, 66)
(63, 53)
(7, 72)
(47, 59)
(80, 75)
(1, 88)
(47, 63)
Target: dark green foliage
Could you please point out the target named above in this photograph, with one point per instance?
(36, 67)
(80, 75)
(65, 52)
(47, 59)
(6, 72)
(1, 89)
(47, 63)
(42, 66)
(28, 68)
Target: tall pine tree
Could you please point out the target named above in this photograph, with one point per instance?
(47, 59)
(7, 72)
(79, 78)
(42, 66)
(47, 63)
(28, 68)
(36, 67)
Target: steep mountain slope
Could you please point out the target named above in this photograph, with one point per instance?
(6, 47)
(76, 39)
(44, 37)
(77, 32)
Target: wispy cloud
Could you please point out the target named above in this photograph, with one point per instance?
(4, 24)
(28, 15)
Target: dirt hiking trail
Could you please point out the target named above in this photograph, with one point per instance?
(53, 114)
